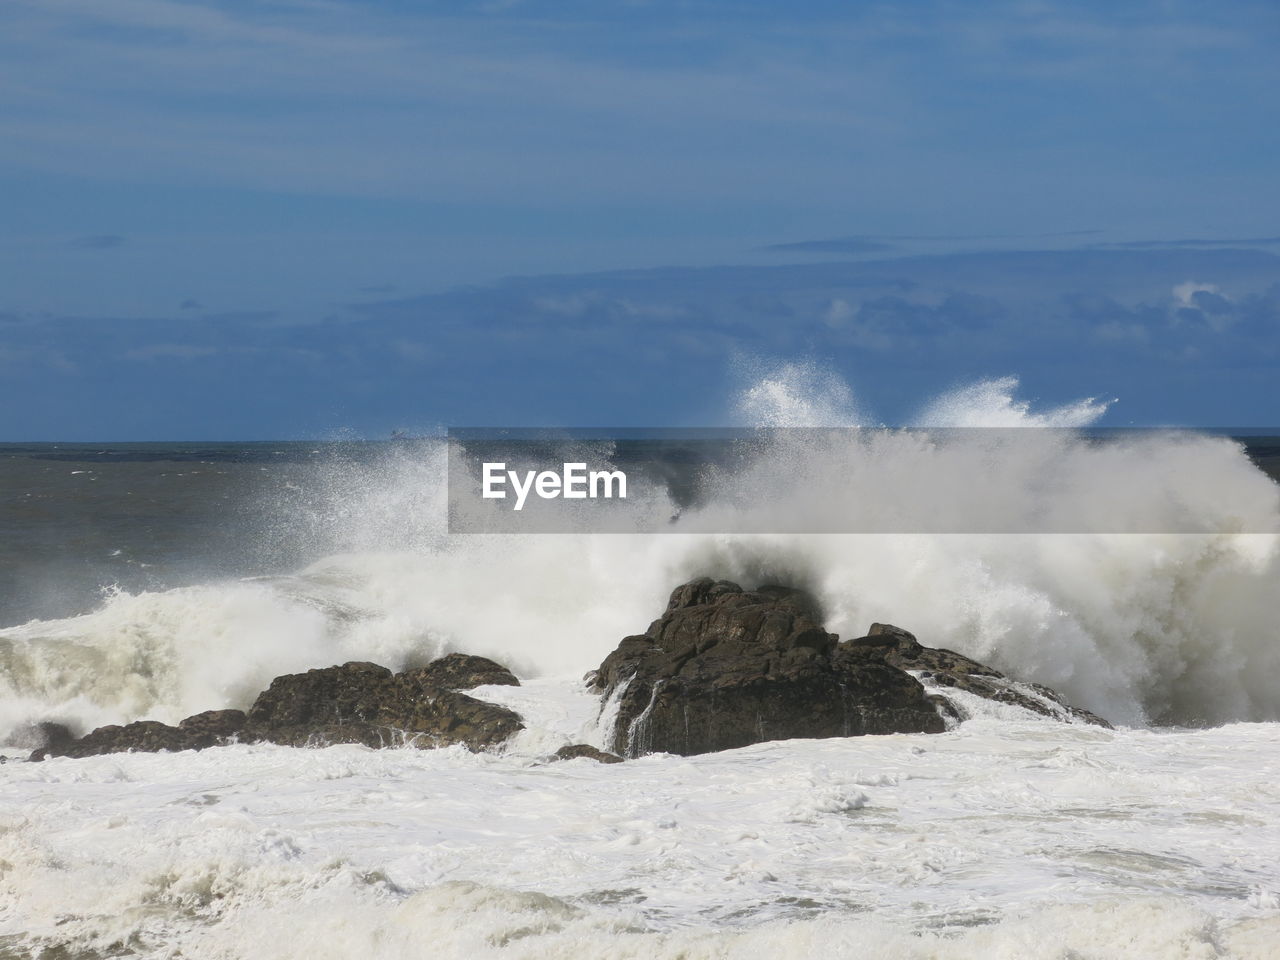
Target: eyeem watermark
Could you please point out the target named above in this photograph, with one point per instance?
(863, 480)
(573, 482)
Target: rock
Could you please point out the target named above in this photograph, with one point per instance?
(366, 703)
(144, 736)
(214, 726)
(147, 736)
(326, 735)
(42, 739)
(352, 703)
(725, 668)
(332, 695)
(462, 671)
(438, 718)
(896, 647)
(576, 750)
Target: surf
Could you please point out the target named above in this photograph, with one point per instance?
(1146, 628)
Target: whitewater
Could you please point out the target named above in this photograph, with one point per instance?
(1007, 836)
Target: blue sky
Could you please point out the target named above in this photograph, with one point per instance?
(297, 218)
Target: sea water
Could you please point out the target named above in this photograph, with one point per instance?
(1007, 836)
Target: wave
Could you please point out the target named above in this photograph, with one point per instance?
(1002, 839)
(1140, 628)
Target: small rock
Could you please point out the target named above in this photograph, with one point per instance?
(353, 703)
(462, 671)
(143, 736)
(42, 739)
(214, 726)
(945, 668)
(573, 751)
(366, 703)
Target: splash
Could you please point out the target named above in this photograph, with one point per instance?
(994, 403)
(796, 395)
(1137, 627)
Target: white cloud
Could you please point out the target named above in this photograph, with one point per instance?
(170, 351)
(1184, 293)
(838, 313)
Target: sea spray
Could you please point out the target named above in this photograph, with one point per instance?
(1160, 627)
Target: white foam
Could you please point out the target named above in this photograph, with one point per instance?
(1000, 839)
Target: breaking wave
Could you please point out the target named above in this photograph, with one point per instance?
(1141, 628)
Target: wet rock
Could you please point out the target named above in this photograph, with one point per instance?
(214, 726)
(724, 667)
(366, 703)
(353, 703)
(431, 717)
(326, 735)
(899, 648)
(144, 736)
(41, 738)
(575, 750)
(462, 671)
(332, 695)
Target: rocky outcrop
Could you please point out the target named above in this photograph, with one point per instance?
(575, 750)
(352, 703)
(462, 671)
(144, 736)
(886, 643)
(214, 726)
(366, 703)
(41, 737)
(724, 667)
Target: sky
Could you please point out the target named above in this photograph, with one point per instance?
(306, 218)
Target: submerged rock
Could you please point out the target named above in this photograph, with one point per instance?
(724, 667)
(41, 737)
(575, 750)
(144, 736)
(215, 726)
(352, 703)
(946, 668)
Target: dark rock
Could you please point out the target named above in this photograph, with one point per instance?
(44, 738)
(573, 751)
(144, 736)
(366, 703)
(353, 703)
(436, 718)
(214, 726)
(325, 735)
(725, 668)
(147, 736)
(946, 668)
(332, 695)
(462, 671)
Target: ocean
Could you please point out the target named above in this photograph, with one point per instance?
(159, 580)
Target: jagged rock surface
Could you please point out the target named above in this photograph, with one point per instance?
(724, 668)
(575, 750)
(352, 703)
(946, 668)
(463, 671)
(366, 703)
